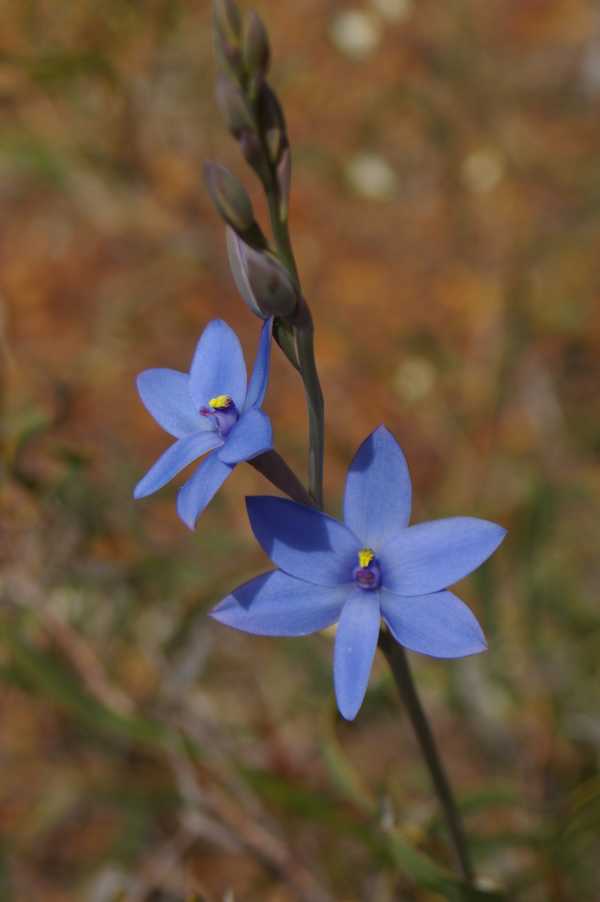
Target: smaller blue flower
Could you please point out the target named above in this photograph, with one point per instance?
(373, 566)
(210, 409)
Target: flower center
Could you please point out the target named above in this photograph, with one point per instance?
(367, 575)
(223, 412)
(221, 402)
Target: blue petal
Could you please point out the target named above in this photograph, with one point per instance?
(355, 644)
(260, 373)
(251, 435)
(432, 556)
(218, 366)
(439, 625)
(302, 541)
(378, 490)
(199, 490)
(175, 458)
(166, 395)
(276, 604)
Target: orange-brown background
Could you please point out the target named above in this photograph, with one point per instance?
(445, 215)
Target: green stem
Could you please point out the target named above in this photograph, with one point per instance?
(303, 332)
(281, 231)
(316, 410)
(396, 658)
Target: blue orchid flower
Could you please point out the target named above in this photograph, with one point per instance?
(210, 409)
(372, 566)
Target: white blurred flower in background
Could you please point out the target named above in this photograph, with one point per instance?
(482, 169)
(414, 378)
(372, 176)
(356, 33)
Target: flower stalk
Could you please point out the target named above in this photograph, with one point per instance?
(398, 663)
(255, 118)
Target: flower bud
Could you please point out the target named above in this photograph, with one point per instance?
(275, 143)
(256, 53)
(251, 149)
(227, 20)
(284, 180)
(233, 107)
(227, 30)
(254, 155)
(272, 123)
(264, 284)
(229, 197)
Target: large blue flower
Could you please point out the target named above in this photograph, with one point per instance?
(373, 566)
(210, 409)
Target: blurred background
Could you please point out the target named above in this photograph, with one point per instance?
(445, 216)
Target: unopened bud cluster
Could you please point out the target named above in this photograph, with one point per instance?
(254, 117)
(247, 103)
